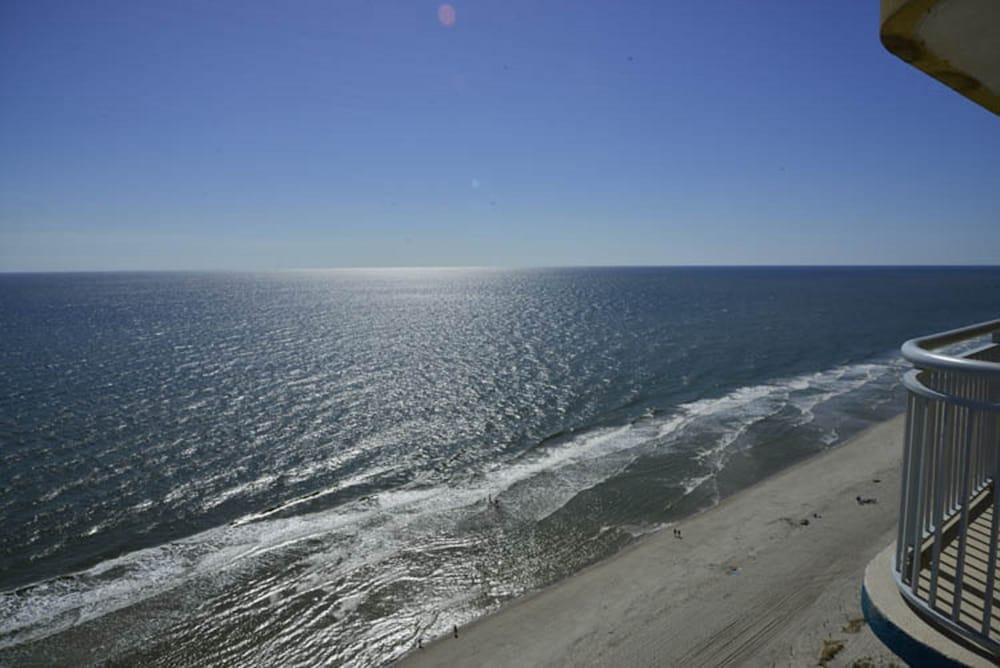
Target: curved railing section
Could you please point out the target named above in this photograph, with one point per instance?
(946, 549)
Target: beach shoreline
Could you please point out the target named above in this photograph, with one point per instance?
(769, 576)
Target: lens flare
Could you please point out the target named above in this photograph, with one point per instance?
(446, 15)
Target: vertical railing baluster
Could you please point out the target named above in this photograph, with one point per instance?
(918, 533)
(957, 429)
(992, 562)
(914, 474)
(932, 472)
(904, 484)
(963, 533)
(940, 462)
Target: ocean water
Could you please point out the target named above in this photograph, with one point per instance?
(293, 468)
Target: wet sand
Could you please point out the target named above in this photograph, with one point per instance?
(748, 583)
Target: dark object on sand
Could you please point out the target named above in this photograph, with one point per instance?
(864, 501)
(804, 522)
(454, 629)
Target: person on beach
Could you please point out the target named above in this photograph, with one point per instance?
(454, 629)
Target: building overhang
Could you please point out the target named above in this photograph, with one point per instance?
(955, 41)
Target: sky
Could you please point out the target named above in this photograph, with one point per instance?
(354, 133)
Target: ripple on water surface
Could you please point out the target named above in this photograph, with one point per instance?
(296, 466)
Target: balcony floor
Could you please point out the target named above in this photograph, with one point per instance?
(902, 630)
(974, 578)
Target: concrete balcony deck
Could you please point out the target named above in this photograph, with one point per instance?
(909, 635)
(969, 607)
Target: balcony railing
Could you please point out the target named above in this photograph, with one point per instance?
(945, 562)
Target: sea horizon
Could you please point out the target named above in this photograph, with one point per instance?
(197, 270)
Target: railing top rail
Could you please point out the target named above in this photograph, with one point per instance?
(918, 351)
(911, 381)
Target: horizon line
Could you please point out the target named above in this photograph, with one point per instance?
(192, 270)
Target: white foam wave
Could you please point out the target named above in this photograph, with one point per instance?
(530, 487)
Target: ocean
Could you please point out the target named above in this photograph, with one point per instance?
(321, 467)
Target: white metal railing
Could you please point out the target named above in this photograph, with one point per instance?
(946, 548)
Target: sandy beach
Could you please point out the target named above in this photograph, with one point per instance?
(771, 576)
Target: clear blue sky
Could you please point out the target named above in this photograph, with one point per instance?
(251, 134)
